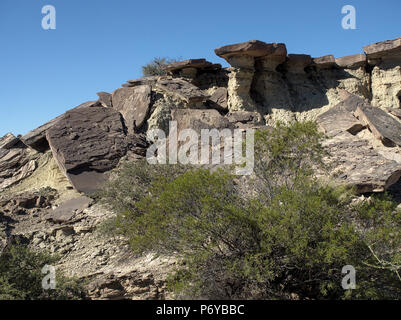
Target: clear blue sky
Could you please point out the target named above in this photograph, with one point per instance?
(99, 44)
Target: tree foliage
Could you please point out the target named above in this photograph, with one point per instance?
(21, 277)
(289, 240)
(156, 67)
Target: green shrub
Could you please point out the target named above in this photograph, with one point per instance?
(21, 277)
(285, 154)
(133, 182)
(156, 67)
(292, 239)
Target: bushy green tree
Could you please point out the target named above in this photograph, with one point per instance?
(156, 67)
(291, 239)
(21, 277)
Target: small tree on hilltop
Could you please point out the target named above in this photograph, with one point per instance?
(156, 67)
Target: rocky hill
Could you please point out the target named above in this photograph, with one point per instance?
(47, 174)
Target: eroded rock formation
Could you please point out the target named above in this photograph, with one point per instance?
(356, 101)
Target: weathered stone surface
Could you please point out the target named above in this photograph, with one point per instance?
(245, 117)
(253, 48)
(351, 62)
(394, 112)
(244, 58)
(36, 139)
(142, 81)
(239, 87)
(8, 140)
(296, 63)
(26, 202)
(86, 142)
(190, 63)
(199, 119)
(382, 125)
(218, 99)
(105, 99)
(182, 89)
(386, 85)
(324, 62)
(15, 163)
(17, 174)
(133, 104)
(66, 211)
(384, 49)
(340, 118)
(272, 92)
(357, 164)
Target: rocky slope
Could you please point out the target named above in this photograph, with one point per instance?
(47, 174)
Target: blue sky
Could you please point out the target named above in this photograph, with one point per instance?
(99, 44)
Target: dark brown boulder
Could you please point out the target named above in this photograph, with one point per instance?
(218, 100)
(354, 61)
(190, 63)
(134, 104)
(324, 62)
(182, 89)
(384, 49)
(36, 139)
(355, 163)
(382, 125)
(341, 117)
(105, 99)
(87, 142)
(254, 48)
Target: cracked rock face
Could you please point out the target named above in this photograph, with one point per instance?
(357, 164)
(386, 85)
(16, 161)
(36, 139)
(382, 125)
(107, 264)
(99, 133)
(357, 161)
(134, 105)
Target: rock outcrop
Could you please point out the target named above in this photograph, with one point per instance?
(383, 126)
(385, 56)
(358, 165)
(191, 68)
(134, 105)
(264, 84)
(16, 161)
(354, 61)
(356, 101)
(105, 99)
(355, 160)
(36, 139)
(100, 134)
